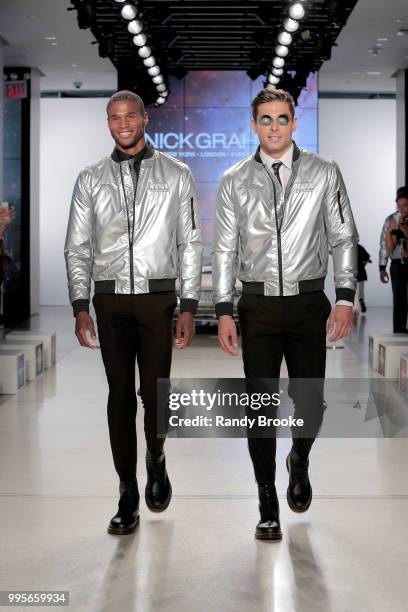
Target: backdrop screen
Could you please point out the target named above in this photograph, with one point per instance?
(206, 124)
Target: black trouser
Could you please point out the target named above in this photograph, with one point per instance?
(293, 327)
(134, 327)
(399, 281)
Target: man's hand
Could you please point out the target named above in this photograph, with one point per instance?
(227, 334)
(6, 216)
(340, 322)
(83, 324)
(185, 330)
(384, 278)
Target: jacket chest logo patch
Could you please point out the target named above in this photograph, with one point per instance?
(249, 186)
(304, 186)
(158, 185)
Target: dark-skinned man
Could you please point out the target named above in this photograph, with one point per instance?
(134, 228)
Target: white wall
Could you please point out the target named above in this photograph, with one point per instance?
(359, 134)
(74, 134)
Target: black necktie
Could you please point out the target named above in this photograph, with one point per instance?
(275, 168)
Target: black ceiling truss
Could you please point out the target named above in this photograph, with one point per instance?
(214, 35)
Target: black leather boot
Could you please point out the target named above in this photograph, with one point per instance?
(362, 305)
(268, 527)
(299, 493)
(127, 517)
(158, 487)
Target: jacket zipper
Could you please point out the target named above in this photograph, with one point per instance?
(192, 213)
(278, 236)
(130, 234)
(340, 208)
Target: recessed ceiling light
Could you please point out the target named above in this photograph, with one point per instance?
(402, 32)
(372, 73)
(382, 39)
(54, 44)
(74, 65)
(50, 38)
(399, 20)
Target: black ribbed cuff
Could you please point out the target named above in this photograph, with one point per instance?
(345, 294)
(80, 306)
(188, 305)
(223, 308)
(383, 268)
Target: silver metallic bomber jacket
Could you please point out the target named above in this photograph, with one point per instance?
(165, 227)
(278, 242)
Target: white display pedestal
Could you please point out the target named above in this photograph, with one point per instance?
(33, 355)
(12, 371)
(49, 340)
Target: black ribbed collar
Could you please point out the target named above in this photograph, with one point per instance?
(145, 153)
(296, 153)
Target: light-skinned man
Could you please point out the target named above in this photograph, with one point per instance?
(279, 212)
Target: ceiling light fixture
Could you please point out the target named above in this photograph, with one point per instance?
(144, 52)
(285, 38)
(281, 50)
(278, 62)
(140, 40)
(277, 71)
(160, 100)
(296, 11)
(149, 61)
(154, 71)
(273, 80)
(135, 26)
(128, 11)
(291, 25)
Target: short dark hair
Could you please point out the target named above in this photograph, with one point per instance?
(402, 192)
(125, 94)
(270, 94)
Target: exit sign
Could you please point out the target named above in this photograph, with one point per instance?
(15, 89)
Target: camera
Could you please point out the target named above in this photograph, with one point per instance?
(77, 84)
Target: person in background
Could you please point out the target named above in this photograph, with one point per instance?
(393, 246)
(7, 216)
(363, 258)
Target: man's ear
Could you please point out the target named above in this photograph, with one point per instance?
(253, 125)
(145, 119)
(295, 122)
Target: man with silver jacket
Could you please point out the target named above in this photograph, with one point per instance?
(134, 228)
(279, 214)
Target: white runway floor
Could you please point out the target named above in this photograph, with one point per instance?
(58, 489)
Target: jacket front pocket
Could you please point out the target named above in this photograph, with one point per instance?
(193, 224)
(340, 207)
